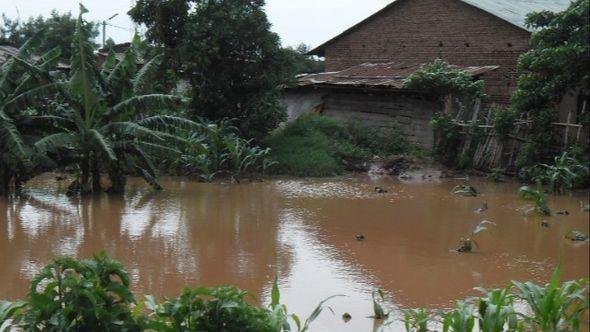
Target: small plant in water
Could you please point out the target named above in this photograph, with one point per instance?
(538, 198)
(468, 242)
(416, 320)
(497, 175)
(554, 307)
(378, 311)
(465, 191)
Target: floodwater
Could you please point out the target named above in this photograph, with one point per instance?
(303, 231)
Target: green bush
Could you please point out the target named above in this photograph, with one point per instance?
(86, 295)
(210, 309)
(93, 295)
(315, 145)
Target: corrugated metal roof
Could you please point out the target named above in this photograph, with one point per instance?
(385, 75)
(515, 11)
(512, 11)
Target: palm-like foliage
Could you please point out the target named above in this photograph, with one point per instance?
(20, 85)
(104, 127)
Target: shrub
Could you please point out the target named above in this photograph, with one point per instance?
(447, 138)
(86, 295)
(209, 309)
(504, 121)
(315, 145)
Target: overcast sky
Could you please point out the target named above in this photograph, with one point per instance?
(296, 21)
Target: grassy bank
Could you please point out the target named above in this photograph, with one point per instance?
(315, 145)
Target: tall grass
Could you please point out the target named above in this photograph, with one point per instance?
(316, 145)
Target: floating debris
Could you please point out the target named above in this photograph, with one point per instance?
(379, 190)
(545, 224)
(360, 237)
(576, 236)
(483, 208)
(563, 213)
(465, 191)
(346, 317)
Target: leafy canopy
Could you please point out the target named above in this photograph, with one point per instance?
(559, 60)
(225, 49)
(59, 31)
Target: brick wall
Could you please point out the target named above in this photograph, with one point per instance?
(418, 31)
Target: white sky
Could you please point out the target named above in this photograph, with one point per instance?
(296, 21)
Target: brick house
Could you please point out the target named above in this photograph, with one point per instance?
(461, 32)
(489, 34)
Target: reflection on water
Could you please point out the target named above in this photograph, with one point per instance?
(303, 231)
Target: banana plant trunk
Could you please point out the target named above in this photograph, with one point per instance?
(95, 176)
(4, 182)
(118, 180)
(85, 175)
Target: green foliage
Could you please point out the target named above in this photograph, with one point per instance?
(554, 307)
(461, 319)
(416, 320)
(447, 137)
(537, 196)
(305, 64)
(94, 295)
(444, 80)
(107, 121)
(504, 119)
(216, 148)
(565, 173)
(497, 175)
(87, 295)
(20, 87)
(496, 311)
(225, 49)
(209, 309)
(315, 145)
(59, 30)
(558, 61)
(468, 242)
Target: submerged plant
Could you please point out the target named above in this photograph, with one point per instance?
(554, 307)
(465, 191)
(496, 311)
(538, 198)
(378, 311)
(416, 320)
(461, 319)
(468, 242)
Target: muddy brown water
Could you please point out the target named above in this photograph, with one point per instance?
(303, 231)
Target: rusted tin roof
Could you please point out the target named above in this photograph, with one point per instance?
(385, 75)
(7, 51)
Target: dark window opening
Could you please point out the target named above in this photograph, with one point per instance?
(440, 44)
(509, 44)
(467, 44)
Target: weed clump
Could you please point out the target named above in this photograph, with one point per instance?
(315, 145)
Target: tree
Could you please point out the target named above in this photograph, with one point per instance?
(20, 85)
(225, 49)
(558, 63)
(559, 60)
(103, 127)
(305, 64)
(59, 30)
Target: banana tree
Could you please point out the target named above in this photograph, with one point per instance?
(102, 125)
(23, 79)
